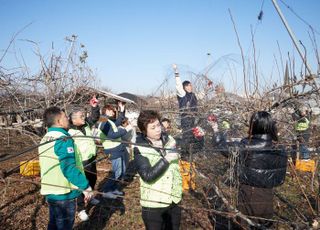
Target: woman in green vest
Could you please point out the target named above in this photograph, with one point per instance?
(85, 147)
(302, 128)
(111, 140)
(160, 179)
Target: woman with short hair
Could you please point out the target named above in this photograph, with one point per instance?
(156, 161)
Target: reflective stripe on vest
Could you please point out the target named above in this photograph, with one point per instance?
(84, 146)
(52, 179)
(109, 144)
(96, 132)
(164, 190)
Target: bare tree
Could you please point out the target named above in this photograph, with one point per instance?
(62, 80)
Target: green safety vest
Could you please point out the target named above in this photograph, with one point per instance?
(165, 189)
(109, 144)
(52, 179)
(302, 124)
(225, 125)
(84, 147)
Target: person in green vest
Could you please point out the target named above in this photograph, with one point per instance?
(85, 147)
(111, 140)
(302, 129)
(225, 125)
(62, 176)
(160, 178)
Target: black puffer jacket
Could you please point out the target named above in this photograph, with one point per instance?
(260, 163)
(147, 172)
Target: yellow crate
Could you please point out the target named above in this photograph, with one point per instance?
(30, 168)
(306, 165)
(188, 177)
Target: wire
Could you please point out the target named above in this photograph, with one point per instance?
(213, 149)
(299, 17)
(230, 214)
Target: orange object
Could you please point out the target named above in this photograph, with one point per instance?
(30, 168)
(188, 175)
(306, 165)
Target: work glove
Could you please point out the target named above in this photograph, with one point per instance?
(121, 106)
(215, 127)
(198, 132)
(213, 121)
(175, 68)
(94, 101)
(88, 194)
(212, 118)
(172, 156)
(128, 127)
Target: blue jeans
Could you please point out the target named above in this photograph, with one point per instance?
(303, 139)
(118, 171)
(61, 214)
(304, 151)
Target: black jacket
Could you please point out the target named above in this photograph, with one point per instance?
(260, 163)
(188, 103)
(147, 172)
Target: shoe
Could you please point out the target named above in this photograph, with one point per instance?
(83, 216)
(94, 201)
(109, 195)
(117, 192)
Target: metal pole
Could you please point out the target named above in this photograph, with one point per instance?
(291, 35)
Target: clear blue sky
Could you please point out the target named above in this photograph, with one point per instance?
(132, 43)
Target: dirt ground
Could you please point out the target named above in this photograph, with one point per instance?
(22, 206)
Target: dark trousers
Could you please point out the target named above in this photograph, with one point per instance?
(61, 214)
(303, 139)
(189, 142)
(167, 218)
(253, 201)
(90, 170)
(187, 123)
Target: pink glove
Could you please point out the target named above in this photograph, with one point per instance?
(94, 101)
(212, 117)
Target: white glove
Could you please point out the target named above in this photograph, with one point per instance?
(172, 156)
(121, 106)
(214, 126)
(88, 194)
(175, 68)
(129, 127)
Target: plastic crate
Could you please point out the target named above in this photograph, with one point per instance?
(188, 175)
(306, 165)
(30, 168)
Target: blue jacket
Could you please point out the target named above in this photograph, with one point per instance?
(108, 131)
